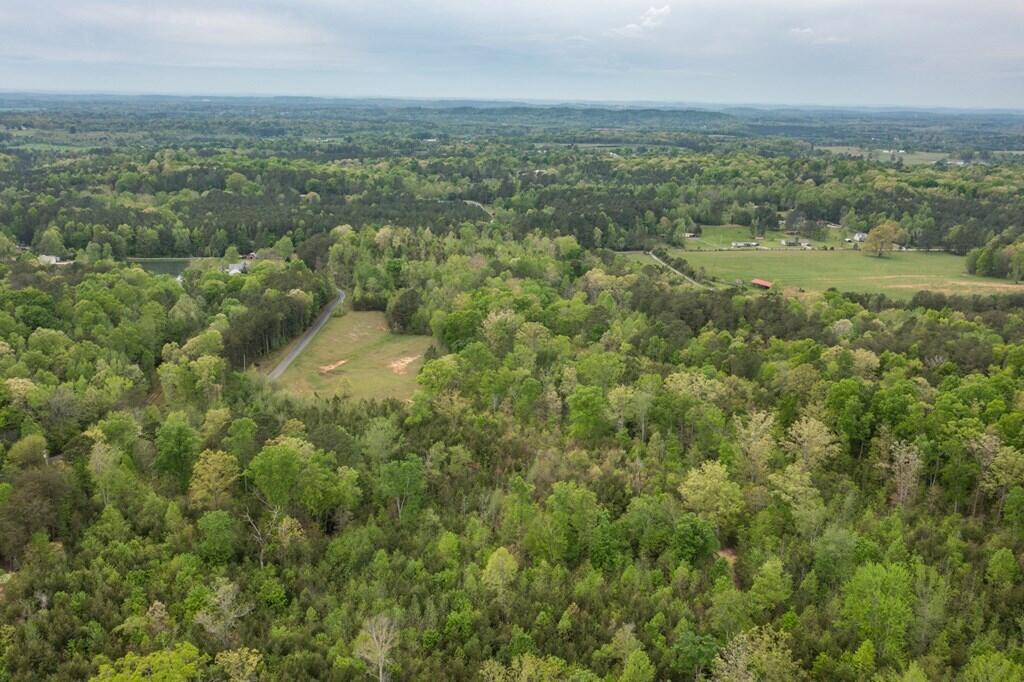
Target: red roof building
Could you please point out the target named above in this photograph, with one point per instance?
(761, 283)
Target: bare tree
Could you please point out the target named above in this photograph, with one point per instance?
(812, 443)
(1005, 471)
(375, 643)
(903, 464)
(221, 616)
(984, 449)
(755, 438)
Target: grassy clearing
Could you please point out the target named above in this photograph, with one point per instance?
(715, 237)
(899, 275)
(909, 158)
(356, 355)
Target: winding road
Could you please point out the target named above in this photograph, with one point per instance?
(306, 337)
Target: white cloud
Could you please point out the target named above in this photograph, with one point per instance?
(650, 20)
(201, 26)
(809, 35)
(824, 51)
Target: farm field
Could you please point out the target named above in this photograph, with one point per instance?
(714, 237)
(356, 355)
(908, 158)
(899, 275)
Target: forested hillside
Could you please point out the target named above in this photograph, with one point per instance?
(605, 473)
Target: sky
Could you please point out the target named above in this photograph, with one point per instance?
(922, 53)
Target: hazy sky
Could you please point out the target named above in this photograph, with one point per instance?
(965, 53)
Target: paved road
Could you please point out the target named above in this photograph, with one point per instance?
(687, 278)
(304, 340)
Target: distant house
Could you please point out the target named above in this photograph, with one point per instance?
(49, 260)
(745, 245)
(250, 256)
(761, 283)
(236, 268)
(789, 242)
(860, 237)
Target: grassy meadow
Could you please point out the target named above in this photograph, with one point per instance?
(714, 237)
(898, 275)
(911, 158)
(356, 355)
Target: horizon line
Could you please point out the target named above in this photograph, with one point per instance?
(632, 103)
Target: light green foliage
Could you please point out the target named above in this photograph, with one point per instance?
(1003, 571)
(878, 601)
(213, 478)
(500, 570)
(992, 666)
(241, 439)
(771, 588)
(29, 451)
(638, 668)
(589, 415)
(177, 445)
(730, 609)
(402, 481)
(758, 654)
(182, 663)
(291, 473)
(709, 492)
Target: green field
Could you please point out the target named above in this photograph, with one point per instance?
(715, 237)
(908, 158)
(356, 355)
(899, 275)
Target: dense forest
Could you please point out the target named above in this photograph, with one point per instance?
(69, 187)
(604, 474)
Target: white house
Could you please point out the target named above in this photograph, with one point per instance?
(860, 237)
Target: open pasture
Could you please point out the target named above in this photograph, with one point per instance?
(356, 355)
(898, 275)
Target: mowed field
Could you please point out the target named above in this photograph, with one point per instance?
(356, 355)
(715, 237)
(899, 275)
(908, 158)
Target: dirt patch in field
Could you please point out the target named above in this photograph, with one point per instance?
(961, 287)
(324, 369)
(401, 365)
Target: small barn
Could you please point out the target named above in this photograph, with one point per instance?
(761, 283)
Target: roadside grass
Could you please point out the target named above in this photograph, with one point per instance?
(898, 275)
(357, 356)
